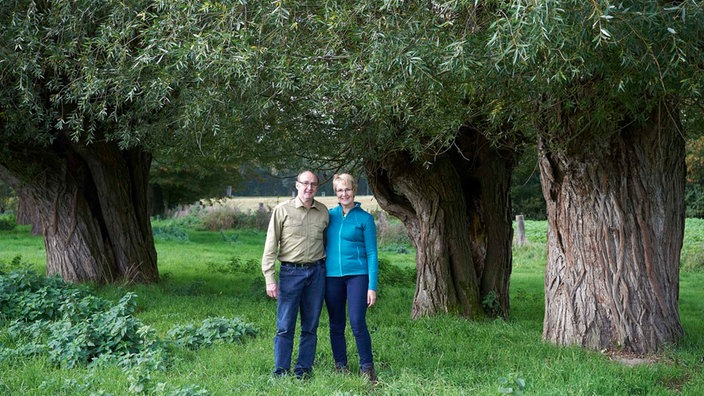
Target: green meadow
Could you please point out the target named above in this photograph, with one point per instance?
(206, 275)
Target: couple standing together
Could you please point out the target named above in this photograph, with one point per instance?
(329, 255)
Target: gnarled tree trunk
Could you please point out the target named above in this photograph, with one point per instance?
(615, 229)
(28, 216)
(457, 213)
(93, 207)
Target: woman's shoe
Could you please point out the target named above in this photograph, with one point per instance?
(370, 374)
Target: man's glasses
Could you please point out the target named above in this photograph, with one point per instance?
(307, 184)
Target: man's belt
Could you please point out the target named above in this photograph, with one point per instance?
(302, 265)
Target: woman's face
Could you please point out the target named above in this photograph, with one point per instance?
(345, 195)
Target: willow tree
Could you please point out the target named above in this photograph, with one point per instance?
(457, 212)
(386, 87)
(88, 90)
(609, 85)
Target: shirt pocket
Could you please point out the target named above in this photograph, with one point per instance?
(295, 227)
(318, 229)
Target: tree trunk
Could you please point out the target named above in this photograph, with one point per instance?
(156, 197)
(615, 229)
(457, 213)
(27, 216)
(93, 207)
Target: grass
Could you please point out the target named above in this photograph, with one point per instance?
(213, 275)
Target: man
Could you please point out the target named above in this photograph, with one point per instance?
(295, 237)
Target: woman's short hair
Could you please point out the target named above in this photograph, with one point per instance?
(344, 178)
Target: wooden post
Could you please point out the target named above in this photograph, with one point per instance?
(520, 231)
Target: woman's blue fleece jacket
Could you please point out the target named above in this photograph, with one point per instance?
(351, 244)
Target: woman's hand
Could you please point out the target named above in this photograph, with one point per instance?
(371, 297)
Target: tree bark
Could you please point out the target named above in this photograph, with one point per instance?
(615, 230)
(93, 207)
(457, 213)
(27, 216)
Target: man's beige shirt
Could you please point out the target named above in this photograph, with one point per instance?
(295, 235)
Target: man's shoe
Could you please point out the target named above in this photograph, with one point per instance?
(342, 368)
(280, 373)
(370, 374)
(303, 374)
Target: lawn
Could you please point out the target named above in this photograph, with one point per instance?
(216, 274)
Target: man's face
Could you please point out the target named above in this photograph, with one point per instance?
(307, 185)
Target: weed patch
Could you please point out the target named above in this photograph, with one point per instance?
(46, 317)
(170, 233)
(213, 330)
(235, 265)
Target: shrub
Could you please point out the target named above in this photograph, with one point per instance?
(212, 330)
(262, 217)
(217, 218)
(189, 222)
(694, 200)
(396, 248)
(231, 217)
(221, 218)
(393, 275)
(7, 222)
(26, 296)
(16, 263)
(235, 265)
(47, 316)
(169, 233)
(65, 321)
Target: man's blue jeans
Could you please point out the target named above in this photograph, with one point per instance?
(350, 291)
(300, 289)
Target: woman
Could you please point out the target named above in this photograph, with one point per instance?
(352, 272)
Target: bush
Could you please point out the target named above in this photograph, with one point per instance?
(175, 229)
(65, 321)
(231, 217)
(169, 233)
(16, 263)
(694, 200)
(393, 275)
(213, 330)
(235, 265)
(189, 222)
(221, 218)
(49, 317)
(7, 222)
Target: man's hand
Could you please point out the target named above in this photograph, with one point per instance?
(272, 290)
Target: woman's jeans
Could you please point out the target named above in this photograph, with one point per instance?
(351, 291)
(300, 288)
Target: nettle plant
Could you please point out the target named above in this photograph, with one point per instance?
(49, 317)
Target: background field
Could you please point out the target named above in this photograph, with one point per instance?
(369, 203)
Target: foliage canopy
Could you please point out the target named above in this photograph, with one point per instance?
(343, 79)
